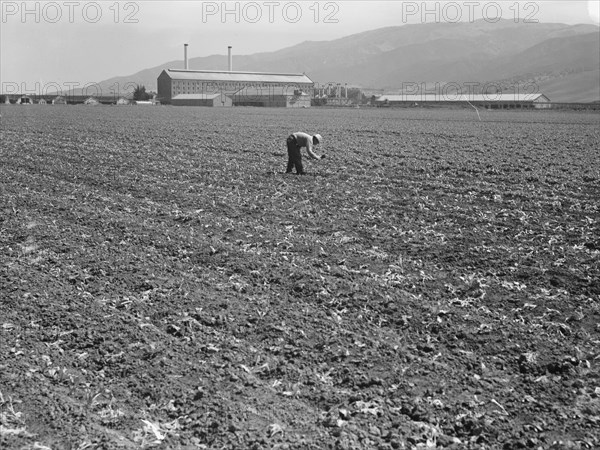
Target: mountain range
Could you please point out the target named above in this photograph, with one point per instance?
(561, 61)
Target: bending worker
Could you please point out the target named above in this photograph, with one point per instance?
(295, 142)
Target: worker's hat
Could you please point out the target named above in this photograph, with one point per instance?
(318, 138)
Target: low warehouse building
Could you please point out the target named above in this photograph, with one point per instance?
(272, 96)
(243, 88)
(213, 100)
(489, 101)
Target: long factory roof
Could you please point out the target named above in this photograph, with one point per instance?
(237, 77)
(453, 97)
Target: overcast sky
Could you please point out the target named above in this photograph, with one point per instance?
(87, 42)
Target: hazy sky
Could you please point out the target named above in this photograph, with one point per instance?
(90, 41)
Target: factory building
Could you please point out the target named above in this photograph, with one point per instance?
(194, 87)
(489, 101)
(228, 88)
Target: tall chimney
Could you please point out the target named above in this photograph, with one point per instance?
(229, 58)
(185, 60)
(345, 90)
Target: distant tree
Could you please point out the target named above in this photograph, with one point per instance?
(318, 101)
(139, 93)
(357, 95)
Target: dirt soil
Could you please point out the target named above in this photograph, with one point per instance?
(432, 283)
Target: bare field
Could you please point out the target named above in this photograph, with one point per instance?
(433, 283)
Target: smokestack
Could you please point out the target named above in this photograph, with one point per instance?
(345, 90)
(185, 60)
(229, 58)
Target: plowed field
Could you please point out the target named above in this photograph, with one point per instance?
(432, 283)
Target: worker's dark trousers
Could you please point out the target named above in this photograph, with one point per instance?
(294, 156)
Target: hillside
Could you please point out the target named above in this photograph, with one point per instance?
(389, 57)
(577, 87)
(565, 69)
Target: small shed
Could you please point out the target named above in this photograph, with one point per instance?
(91, 101)
(59, 100)
(212, 100)
(24, 100)
(42, 101)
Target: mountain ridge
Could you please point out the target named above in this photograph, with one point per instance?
(388, 58)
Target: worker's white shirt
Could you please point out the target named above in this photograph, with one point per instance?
(306, 140)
